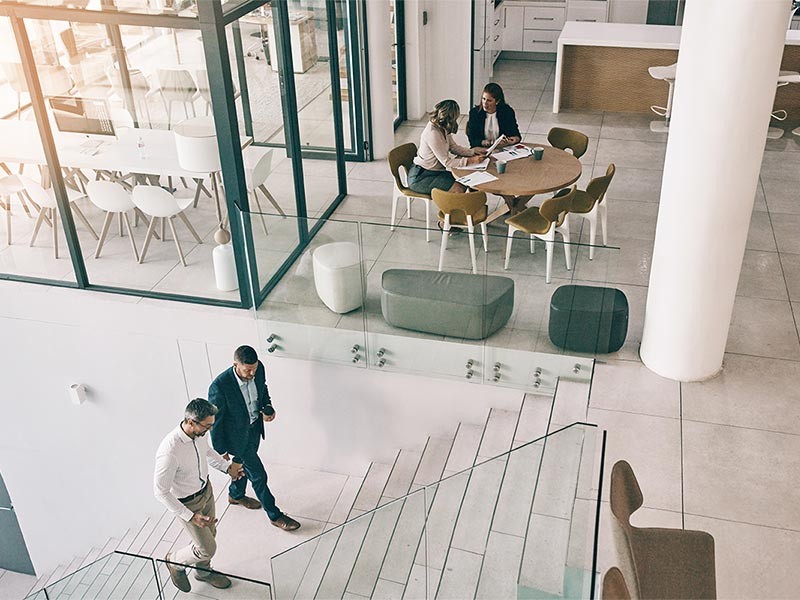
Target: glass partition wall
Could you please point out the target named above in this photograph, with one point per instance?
(134, 143)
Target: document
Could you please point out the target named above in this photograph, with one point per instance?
(494, 146)
(481, 166)
(513, 152)
(476, 179)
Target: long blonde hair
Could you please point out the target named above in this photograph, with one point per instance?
(445, 116)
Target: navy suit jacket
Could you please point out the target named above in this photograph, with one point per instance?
(232, 423)
(506, 123)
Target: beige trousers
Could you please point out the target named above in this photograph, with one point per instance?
(203, 546)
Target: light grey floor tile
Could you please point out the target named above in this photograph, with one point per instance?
(407, 539)
(626, 153)
(791, 272)
(630, 126)
(388, 590)
(763, 328)
(460, 576)
(750, 559)
(760, 235)
(629, 219)
(721, 461)
(652, 447)
(631, 387)
(761, 276)
(749, 392)
(373, 550)
(345, 500)
(637, 185)
(476, 512)
(786, 227)
(423, 583)
(781, 196)
(586, 123)
(437, 450)
(405, 467)
(533, 418)
(498, 578)
(781, 165)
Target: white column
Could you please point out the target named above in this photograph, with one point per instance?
(416, 104)
(379, 51)
(728, 65)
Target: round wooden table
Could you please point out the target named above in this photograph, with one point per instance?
(526, 177)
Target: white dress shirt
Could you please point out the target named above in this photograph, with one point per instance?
(182, 469)
(250, 394)
(491, 130)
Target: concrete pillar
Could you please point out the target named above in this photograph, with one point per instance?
(379, 50)
(728, 64)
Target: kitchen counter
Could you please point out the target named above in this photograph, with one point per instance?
(603, 66)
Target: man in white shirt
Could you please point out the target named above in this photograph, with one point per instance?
(181, 483)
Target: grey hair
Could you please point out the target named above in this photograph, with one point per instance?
(199, 409)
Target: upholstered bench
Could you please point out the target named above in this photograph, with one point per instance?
(588, 319)
(459, 305)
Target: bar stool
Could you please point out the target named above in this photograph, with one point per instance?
(784, 78)
(664, 73)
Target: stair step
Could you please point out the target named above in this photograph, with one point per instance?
(130, 535)
(421, 577)
(407, 537)
(475, 517)
(144, 533)
(570, 404)
(372, 489)
(343, 558)
(388, 590)
(442, 519)
(498, 579)
(297, 583)
(558, 476)
(545, 555)
(499, 433)
(465, 448)
(376, 543)
(460, 577)
(533, 418)
(514, 504)
(433, 462)
(402, 475)
(161, 528)
(345, 500)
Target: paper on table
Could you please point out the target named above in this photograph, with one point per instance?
(494, 146)
(513, 152)
(476, 179)
(481, 166)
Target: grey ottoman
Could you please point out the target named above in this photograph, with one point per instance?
(459, 305)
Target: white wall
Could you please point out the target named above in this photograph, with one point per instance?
(441, 50)
(379, 48)
(81, 474)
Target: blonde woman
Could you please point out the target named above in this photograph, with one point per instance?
(438, 152)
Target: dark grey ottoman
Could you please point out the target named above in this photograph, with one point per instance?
(588, 319)
(460, 305)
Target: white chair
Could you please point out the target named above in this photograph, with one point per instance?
(15, 76)
(196, 145)
(121, 118)
(204, 89)
(177, 85)
(665, 73)
(258, 166)
(140, 88)
(544, 222)
(114, 199)
(10, 186)
(48, 210)
(162, 205)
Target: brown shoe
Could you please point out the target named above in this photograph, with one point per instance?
(178, 575)
(286, 523)
(218, 580)
(250, 503)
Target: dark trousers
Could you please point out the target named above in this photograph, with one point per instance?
(255, 472)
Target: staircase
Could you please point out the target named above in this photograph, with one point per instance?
(434, 525)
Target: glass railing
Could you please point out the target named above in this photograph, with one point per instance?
(376, 299)
(519, 525)
(124, 576)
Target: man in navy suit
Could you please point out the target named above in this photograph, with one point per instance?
(243, 405)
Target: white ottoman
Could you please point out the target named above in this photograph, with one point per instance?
(337, 276)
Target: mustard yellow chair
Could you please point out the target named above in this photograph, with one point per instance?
(591, 203)
(465, 210)
(544, 222)
(401, 159)
(568, 139)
